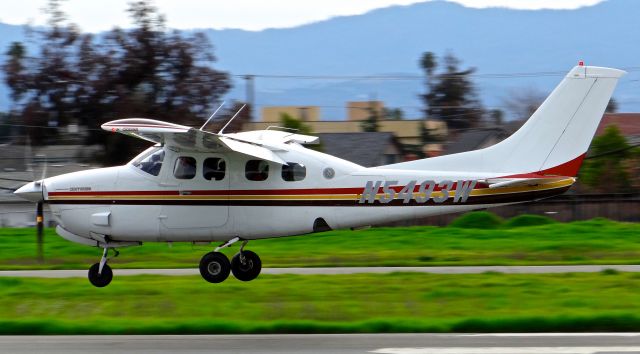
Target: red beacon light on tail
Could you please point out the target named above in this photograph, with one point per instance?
(581, 63)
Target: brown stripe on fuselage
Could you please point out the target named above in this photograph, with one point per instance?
(472, 200)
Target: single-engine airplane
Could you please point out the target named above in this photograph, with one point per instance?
(199, 186)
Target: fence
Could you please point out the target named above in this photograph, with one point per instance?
(568, 207)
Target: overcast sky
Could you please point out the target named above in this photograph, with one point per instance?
(100, 15)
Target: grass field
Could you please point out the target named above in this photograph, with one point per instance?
(399, 302)
(588, 242)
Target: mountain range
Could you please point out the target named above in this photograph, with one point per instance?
(330, 62)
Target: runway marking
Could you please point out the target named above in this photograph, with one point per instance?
(594, 334)
(509, 350)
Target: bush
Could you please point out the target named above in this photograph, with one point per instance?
(529, 220)
(477, 220)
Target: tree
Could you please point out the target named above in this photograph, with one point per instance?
(147, 71)
(15, 70)
(371, 123)
(612, 106)
(290, 122)
(605, 169)
(450, 95)
(522, 103)
(392, 113)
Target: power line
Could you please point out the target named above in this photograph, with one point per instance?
(612, 152)
(415, 76)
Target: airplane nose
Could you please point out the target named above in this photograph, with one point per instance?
(31, 191)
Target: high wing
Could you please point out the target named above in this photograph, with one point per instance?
(261, 144)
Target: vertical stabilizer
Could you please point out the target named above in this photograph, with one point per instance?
(554, 139)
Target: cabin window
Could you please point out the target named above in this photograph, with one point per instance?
(256, 170)
(214, 168)
(151, 163)
(293, 172)
(185, 167)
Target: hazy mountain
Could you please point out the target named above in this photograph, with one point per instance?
(391, 41)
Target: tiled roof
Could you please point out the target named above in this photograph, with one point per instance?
(628, 123)
(365, 149)
(473, 139)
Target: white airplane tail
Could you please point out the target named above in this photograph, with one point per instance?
(552, 142)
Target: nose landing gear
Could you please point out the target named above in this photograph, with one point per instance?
(245, 265)
(100, 274)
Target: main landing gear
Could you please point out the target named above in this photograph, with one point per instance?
(245, 265)
(100, 274)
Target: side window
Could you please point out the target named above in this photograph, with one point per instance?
(293, 172)
(214, 168)
(256, 170)
(152, 163)
(185, 167)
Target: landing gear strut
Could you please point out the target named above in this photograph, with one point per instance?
(100, 274)
(246, 265)
(215, 266)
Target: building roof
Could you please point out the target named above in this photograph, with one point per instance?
(366, 149)
(474, 139)
(628, 123)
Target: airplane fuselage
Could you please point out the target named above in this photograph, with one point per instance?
(319, 192)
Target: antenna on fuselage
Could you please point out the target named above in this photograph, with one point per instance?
(232, 118)
(214, 113)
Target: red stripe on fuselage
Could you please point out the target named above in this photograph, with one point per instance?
(567, 169)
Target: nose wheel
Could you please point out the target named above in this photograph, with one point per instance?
(100, 274)
(245, 265)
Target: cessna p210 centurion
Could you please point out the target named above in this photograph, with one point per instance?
(198, 186)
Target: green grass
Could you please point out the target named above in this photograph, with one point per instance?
(399, 302)
(596, 241)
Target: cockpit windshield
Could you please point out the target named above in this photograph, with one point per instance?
(151, 162)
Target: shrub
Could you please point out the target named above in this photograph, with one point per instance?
(477, 220)
(529, 220)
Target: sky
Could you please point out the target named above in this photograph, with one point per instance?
(253, 15)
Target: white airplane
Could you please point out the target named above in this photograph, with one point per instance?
(198, 186)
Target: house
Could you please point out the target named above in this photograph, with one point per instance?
(627, 123)
(474, 139)
(368, 149)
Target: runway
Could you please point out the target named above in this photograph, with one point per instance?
(553, 343)
(339, 270)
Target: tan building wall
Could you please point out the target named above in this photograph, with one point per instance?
(304, 113)
(361, 110)
(407, 131)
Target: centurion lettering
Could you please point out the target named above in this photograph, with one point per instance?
(420, 192)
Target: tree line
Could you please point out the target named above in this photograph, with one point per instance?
(85, 79)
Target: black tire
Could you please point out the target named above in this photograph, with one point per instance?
(248, 270)
(215, 267)
(100, 280)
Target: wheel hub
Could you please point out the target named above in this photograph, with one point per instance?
(214, 268)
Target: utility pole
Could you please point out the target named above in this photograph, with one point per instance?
(39, 228)
(250, 94)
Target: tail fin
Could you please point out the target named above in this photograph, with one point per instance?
(555, 138)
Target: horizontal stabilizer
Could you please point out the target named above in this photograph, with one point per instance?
(523, 182)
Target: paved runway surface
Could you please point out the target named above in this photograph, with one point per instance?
(556, 343)
(340, 270)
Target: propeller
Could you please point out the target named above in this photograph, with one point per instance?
(34, 192)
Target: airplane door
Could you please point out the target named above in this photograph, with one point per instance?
(202, 200)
